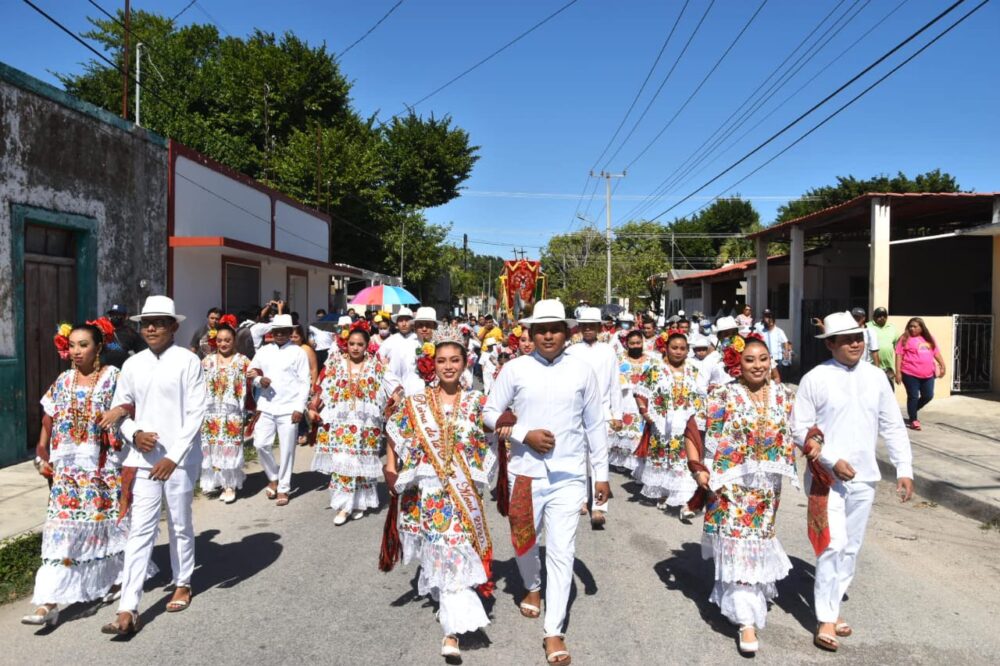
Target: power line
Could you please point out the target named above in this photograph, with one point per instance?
(638, 94)
(211, 18)
(370, 30)
(664, 82)
(492, 55)
(181, 12)
(718, 62)
(676, 177)
(844, 106)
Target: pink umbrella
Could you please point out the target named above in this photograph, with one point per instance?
(384, 295)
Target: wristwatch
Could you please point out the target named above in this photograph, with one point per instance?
(38, 463)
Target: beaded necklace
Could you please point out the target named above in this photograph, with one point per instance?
(678, 385)
(761, 404)
(80, 419)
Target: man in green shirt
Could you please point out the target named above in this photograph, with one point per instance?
(887, 336)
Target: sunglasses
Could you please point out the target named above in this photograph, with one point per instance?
(157, 322)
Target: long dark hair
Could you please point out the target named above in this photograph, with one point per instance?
(925, 332)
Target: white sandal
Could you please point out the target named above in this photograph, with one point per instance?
(341, 518)
(49, 617)
(450, 651)
(748, 647)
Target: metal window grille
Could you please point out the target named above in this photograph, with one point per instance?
(973, 354)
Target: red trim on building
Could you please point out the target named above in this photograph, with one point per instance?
(222, 241)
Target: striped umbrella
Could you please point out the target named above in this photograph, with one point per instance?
(383, 294)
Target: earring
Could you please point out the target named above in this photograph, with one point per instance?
(97, 364)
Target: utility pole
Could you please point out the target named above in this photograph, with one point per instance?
(138, 78)
(607, 179)
(128, 29)
(465, 267)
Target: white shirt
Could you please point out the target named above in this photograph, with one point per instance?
(168, 392)
(322, 339)
(562, 397)
(601, 358)
(258, 331)
(400, 353)
(871, 344)
(852, 407)
(288, 369)
(775, 340)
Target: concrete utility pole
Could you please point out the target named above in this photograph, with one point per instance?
(465, 267)
(128, 29)
(138, 78)
(607, 179)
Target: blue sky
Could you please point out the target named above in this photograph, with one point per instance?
(543, 110)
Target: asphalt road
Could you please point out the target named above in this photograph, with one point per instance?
(283, 585)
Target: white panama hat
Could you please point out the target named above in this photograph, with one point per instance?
(626, 316)
(403, 312)
(282, 321)
(589, 316)
(345, 320)
(725, 323)
(546, 311)
(426, 314)
(698, 341)
(158, 306)
(839, 323)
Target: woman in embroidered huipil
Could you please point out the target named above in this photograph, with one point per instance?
(349, 402)
(633, 366)
(672, 393)
(82, 541)
(748, 441)
(439, 446)
(222, 431)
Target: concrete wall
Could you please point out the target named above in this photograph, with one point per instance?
(210, 203)
(63, 155)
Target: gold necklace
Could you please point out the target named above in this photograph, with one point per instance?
(761, 404)
(80, 419)
(447, 423)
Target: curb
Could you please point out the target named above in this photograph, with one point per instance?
(946, 494)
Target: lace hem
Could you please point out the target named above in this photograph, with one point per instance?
(443, 567)
(366, 414)
(744, 604)
(461, 612)
(222, 457)
(364, 465)
(364, 497)
(424, 472)
(751, 561)
(668, 481)
(754, 468)
(215, 479)
(76, 583)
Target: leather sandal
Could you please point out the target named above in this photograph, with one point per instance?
(176, 605)
(826, 642)
(282, 499)
(115, 628)
(558, 657)
(843, 629)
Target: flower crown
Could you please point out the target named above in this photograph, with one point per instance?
(731, 356)
(664, 337)
(61, 339)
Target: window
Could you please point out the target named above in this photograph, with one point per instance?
(241, 285)
(692, 291)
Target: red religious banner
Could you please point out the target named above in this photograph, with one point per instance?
(521, 283)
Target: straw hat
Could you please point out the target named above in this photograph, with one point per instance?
(839, 323)
(549, 310)
(158, 306)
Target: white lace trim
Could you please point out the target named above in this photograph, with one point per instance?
(342, 463)
(222, 457)
(667, 482)
(744, 604)
(461, 612)
(87, 581)
(751, 469)
(751, 561)
(365, 413)
(83, 541)
(443, 567)
(364, 497)
(214, 479)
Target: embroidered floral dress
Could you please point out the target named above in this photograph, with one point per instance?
(222, 430)
(673, 398)
(82, 541)
(347, 444)
(752, 452)
(622, 444)
(430, 529)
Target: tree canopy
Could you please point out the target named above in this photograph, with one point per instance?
(279, 110)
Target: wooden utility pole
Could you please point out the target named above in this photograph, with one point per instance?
(125, 59)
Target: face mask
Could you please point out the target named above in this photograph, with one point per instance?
(635, 352)
(625, 326)
(383, 332)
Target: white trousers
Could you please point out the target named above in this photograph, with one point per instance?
(556, 502)
(263, 439)
(147, 500)
(848, 508)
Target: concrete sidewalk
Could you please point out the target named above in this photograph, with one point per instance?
(24, 494)
(956, 457)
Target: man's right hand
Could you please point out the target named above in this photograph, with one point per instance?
(540, 441)
(843, 470)
(145, 441)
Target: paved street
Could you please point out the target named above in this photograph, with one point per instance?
(286, 586)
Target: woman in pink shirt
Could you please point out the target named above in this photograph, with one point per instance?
(918, 363)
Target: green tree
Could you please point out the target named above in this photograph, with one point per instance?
(725, 216)
(278, 109)
(849, 187)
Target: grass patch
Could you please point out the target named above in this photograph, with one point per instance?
(20, 558)
(249, 451)
(991, 525)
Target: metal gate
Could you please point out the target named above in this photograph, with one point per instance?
(973, 368)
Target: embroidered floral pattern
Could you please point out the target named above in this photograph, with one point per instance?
(222, 429)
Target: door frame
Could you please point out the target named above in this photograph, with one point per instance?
(290, 272)
(12, 370)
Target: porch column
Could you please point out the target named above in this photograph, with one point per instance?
(996, 298)
(706, 300)
(796, 282)
(760, 291)
(878, 262)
